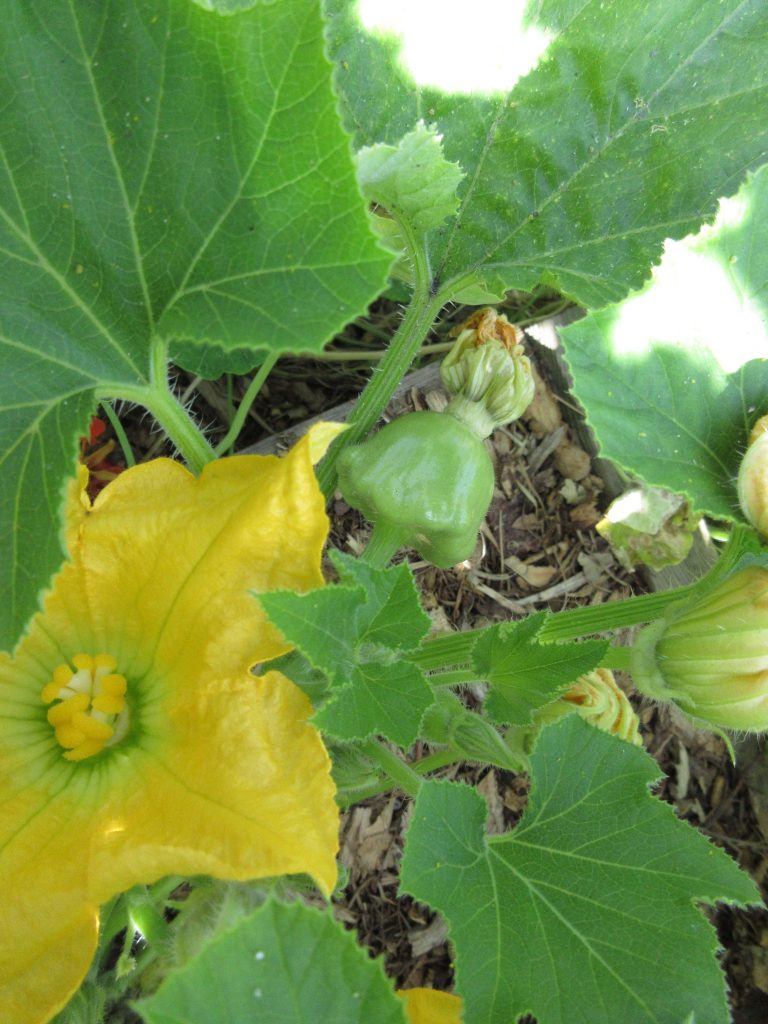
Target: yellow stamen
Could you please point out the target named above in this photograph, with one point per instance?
(91, 711)
(86, 749)
(109, 704)
(62, 675)
(61, 713)
(114, 685)
(69, 736)
(91, 727)
(50, 692)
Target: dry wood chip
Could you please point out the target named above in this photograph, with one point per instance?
(424, 939)
(543, 414)
(572, 461)
(585, 515)
(369, 845)
(489, 788)
(535, 576)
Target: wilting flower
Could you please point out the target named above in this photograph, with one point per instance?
(487, 373)
(430, 1006)
(599, 700)
(135, 741)
(710, 655)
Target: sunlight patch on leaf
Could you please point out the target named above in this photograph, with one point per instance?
(485, 48)
(697, 297)
(652, 371)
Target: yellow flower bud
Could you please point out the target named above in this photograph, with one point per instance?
(753, 478)
(710, 656)
(599, 700)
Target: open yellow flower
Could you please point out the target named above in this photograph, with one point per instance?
(135, 742)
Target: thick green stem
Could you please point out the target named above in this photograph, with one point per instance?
(398, 771)
(385, 541)
(120, 434)
(403, 349)
(455, 649)
(440, 759)
(159, 400)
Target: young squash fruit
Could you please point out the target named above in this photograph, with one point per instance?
(425, 481)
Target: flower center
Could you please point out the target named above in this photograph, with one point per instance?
(89, 712)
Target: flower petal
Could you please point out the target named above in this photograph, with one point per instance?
(430, 1006)
(166, 560)
(48, 927)
(220, 771)
(234, 783)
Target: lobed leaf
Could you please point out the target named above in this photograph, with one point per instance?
(639, 116)
(356, 634)
(166, 173)
(586, 910)
(524, 674)
(413, 188)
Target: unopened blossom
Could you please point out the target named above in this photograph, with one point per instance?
(752, 483)
(135, 739)
(487, 373)
(710, 655)
(599, 700)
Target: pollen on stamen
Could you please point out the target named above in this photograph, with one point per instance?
(88, 709)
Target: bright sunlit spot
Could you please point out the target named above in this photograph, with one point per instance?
(697, 300)
(478, 47)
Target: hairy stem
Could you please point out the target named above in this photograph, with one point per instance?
(158, 399)
(352, 795)
(403, 349)
(399, 772)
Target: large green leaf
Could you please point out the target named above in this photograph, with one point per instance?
(586, 911)
(290, 964)
(640, 116)
(166, 172)
(357, 634)
(667, 377)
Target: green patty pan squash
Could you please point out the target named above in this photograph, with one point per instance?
(425, 481)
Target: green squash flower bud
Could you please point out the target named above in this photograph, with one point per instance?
(753, 478)
(487, 373)
(710, 656)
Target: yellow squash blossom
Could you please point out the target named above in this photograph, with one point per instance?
(135, 742)
(430, 1006)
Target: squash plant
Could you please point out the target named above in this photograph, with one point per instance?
(221, 182)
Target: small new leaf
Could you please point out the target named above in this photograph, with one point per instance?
(585, 911)
(525, 674)
(412, 187)
(356, 634)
